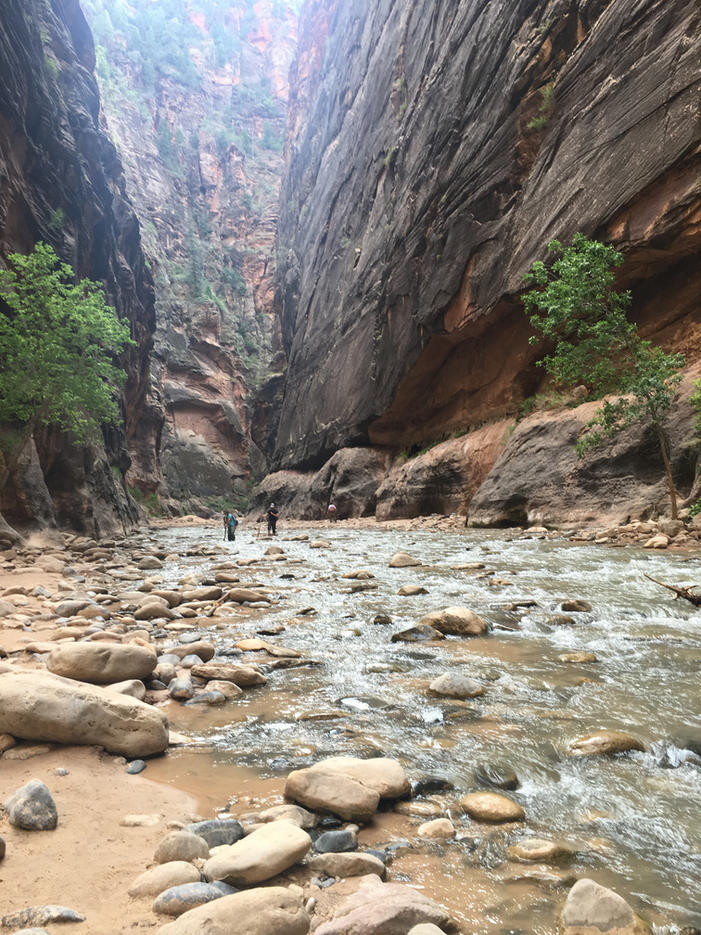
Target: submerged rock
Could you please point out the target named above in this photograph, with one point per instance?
(421, 633)
(538, 849)
(604, 742)
(498, 775)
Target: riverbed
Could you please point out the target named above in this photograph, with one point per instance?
(631, 818)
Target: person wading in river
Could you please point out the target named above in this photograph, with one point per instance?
(333, 512)
(231, 524)
(272, 517)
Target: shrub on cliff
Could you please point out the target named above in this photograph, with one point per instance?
(576, 309)
(58, 338)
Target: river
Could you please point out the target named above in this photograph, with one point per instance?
(633, 818)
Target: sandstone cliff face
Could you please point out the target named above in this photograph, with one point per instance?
(195, 97)
(434, 149)
(61, 181)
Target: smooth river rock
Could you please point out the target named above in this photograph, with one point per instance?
(259, 856)
(348, 865)
(217, 831)
(347, 786)
(403, 560)
(180, 845)
(378, 908)
(539, 849)
(36, 916)
(604, 742)
(38, 706)
(32, 807)
(179, 899)
(454, 685)
(270, 910)
(164, 876)
(491, 806)
(455, 621)
(243, 676)
(591, 908)
(102, 663)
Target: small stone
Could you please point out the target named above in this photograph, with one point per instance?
(136, 766)
(438, 828)
(538, 849)
(580, 657)
(217, 831)
(418, 634)
(454, 685)
(411, 590)
(2, 848)
(207, 698)
(348, 865)
(382, 620)
(164, 876)
(35, 916)
(32, 808)
(659, 541)
(491, 806)
(403, 560)
(577, 606)
(335, 842)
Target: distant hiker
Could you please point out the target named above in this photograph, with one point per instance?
(225, 519)
(272, 516)
(231, 524)
(333, 512)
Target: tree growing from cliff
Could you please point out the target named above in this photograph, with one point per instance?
(58, 339)
(575, 308)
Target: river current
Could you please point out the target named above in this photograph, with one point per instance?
(633, 818)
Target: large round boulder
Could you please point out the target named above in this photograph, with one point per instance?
(346, 786)
(102, 663)
(38, 706)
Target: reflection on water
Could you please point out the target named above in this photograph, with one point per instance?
(369, 695)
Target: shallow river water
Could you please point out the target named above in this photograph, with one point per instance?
(634, 819)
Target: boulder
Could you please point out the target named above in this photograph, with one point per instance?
(102, 664)
(179, 899)
(348, 865)
(346, 786)
(403, 560)
(243, 676)
(259, 856)
(270, 910)
(378, 908)
(604, 742)
(491, 806)
(336, 841)
(32, 808)
(38, 706)
(454, 685)
(455, 621)
(659, 541)
(591, 908)
(180, 846)
(164, 876)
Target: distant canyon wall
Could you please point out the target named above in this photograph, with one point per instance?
(61, 181)
(434, 148)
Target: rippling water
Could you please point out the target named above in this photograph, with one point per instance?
(635, 817)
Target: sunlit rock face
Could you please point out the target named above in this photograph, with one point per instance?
(434, 150)
(195, 98)
(61, 181)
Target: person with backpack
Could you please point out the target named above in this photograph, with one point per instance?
(231, 524)
(272, 516)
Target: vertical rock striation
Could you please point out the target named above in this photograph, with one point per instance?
(61, 181)
(434, 150)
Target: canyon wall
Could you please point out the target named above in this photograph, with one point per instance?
(195, 98)
(434, 149)
(61, 181)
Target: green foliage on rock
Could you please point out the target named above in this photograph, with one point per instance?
(576, 309)
(57, 342)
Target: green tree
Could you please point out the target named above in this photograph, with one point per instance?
(575, 308)
(57, 341)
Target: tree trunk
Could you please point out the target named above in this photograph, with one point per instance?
(668, 471)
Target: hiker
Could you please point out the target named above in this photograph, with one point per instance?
(333, 512)
(231, 524)
(272, 517)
